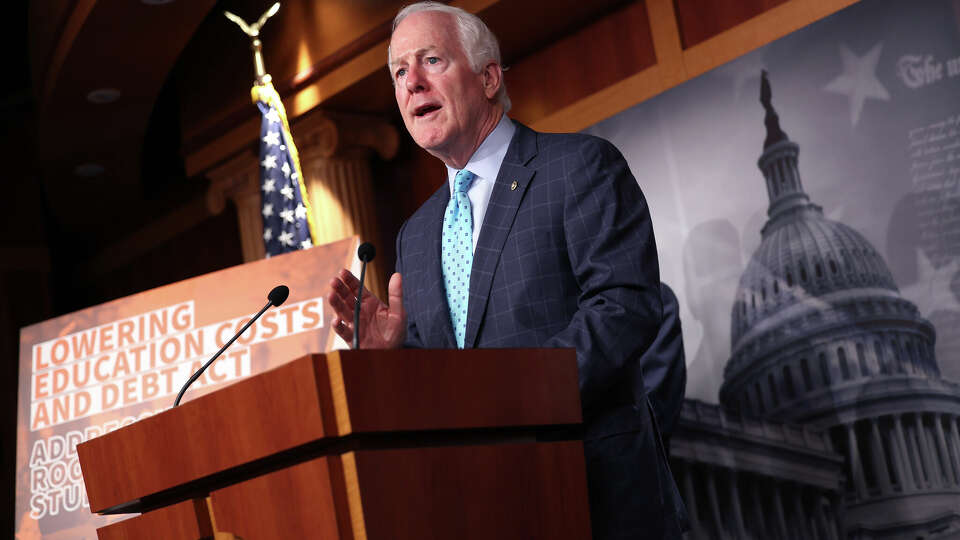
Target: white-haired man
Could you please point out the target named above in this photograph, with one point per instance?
(539, 240)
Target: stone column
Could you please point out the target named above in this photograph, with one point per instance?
(690, 498)
(821, 519)
(907, 479)
(335, 155)
(939, 473)
(955, 444)
(715, 504)
(835, 517)
(918, 459)
(758, 515)
(879, 458)
(779, 511)
(926, 451)
(802, 524)
(335, 152)
(856, 466)
(949, 476)
(734, 494)
(239, 180)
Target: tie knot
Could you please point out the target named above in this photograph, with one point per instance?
(461, 183)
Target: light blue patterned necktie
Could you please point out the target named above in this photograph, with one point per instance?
(457, 253)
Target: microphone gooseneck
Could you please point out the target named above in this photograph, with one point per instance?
(366, 252)
(276, 297)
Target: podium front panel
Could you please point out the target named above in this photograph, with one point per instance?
(504, 491)
(188, 520)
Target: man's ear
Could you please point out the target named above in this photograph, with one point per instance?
(492, 79)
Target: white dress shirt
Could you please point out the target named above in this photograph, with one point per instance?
(485, 163)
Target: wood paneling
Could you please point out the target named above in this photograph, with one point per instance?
(313, 493)
(542, 388)
(700, 20)
(187, 520)
(254, 418)
(675, 64)
(587, 61)
(507, 492)
(318, 397)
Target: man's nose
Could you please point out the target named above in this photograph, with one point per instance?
(415, 80)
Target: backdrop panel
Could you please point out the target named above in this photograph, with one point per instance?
(813, 240)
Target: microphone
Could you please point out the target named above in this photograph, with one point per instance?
(276, 297)
(366, 252)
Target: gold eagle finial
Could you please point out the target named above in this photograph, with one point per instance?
(253, 30)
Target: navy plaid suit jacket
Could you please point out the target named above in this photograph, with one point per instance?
(566, 259)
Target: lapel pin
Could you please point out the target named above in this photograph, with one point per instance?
(513, 186)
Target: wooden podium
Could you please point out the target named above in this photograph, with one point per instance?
(408, 444)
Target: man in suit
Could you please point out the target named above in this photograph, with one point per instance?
(538, 240)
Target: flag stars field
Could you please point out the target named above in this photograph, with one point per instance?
(272, 138)
(285, 209)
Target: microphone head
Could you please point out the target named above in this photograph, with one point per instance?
(278, 295)
(366, 252)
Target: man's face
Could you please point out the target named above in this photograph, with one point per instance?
(444, 104)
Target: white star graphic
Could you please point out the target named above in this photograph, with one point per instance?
(306, 244)
(267, 210)
(267, 234)
(301, 211)
(286, 238)
(287, 192)
(272, 116)
(268, 186)
(269, 162)
(859, 80)
(931, 292)
(294, 176)
(286, 169)
(272, 138)
(287, 215)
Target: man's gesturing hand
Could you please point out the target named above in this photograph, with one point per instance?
(382, 326)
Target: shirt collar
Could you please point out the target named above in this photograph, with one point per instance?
(486, 161)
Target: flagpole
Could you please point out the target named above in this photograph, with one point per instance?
(265, 94)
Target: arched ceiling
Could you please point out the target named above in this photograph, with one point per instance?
(80, 47)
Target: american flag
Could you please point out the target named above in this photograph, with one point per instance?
(287, 222)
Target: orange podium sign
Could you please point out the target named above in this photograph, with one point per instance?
(90, 372)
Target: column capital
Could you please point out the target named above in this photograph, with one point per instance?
(329, 134)
(236, 177)
(239, 180)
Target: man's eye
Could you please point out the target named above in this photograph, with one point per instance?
(433, 60)
(401, 72)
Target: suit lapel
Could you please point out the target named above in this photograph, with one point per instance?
(497, 222)
(439, 312)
